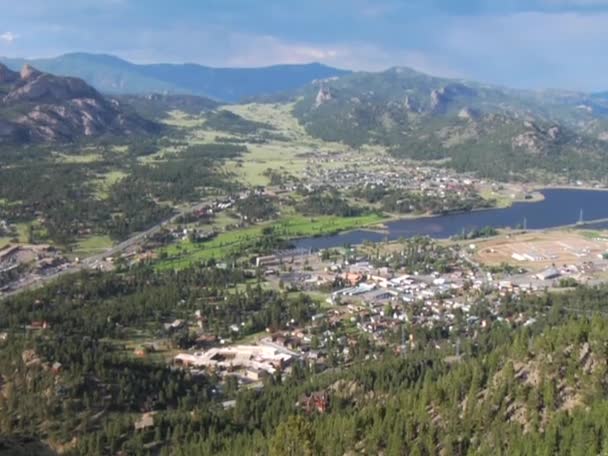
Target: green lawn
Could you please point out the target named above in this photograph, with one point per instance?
(185, 253)
(91, 246)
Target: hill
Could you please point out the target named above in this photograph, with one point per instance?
(113, 75)
(536, 389)
(37, 106)
(494, 130)
(156, 106)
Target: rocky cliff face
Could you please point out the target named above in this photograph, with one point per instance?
(37, 106)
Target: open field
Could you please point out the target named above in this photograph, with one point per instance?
(79, 159)
(251, 167)
(106, 181)
(289, 156)
(278, 115)
(537, 251)
(184, 253)
(91, 246)
(181, 119)
(509, 194)
(22, 236)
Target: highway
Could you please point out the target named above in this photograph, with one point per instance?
(35, 281)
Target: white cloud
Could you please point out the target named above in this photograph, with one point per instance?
(253, 50)
(8, 37)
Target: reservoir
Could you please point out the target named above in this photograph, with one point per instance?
(559, 207)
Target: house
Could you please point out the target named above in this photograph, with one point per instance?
(379, 297)
(174, 325)
(353, 278)
(270, 260)
(146, 421)
(140, 352)
(39, 324)
(255, 374)
(315, 402)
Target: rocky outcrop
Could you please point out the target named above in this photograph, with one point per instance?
(536, 140)
(410, 105)
(437, 99)
(323, 96)
(38, 87)
(54, 108)
(441, 100)
(467, 114)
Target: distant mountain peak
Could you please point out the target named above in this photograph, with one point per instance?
(111, 74)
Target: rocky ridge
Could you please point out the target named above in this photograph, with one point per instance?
(38, 107)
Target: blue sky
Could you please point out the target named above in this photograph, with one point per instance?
(521, 43)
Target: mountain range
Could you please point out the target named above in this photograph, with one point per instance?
(37, 106)
(496, 131)
(113, 75)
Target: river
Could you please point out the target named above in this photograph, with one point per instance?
(559, 207)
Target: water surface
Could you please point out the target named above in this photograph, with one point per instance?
(559, 207)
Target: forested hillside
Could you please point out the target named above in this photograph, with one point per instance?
(499, 132)
(540, 389)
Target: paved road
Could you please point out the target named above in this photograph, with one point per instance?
(36, 281)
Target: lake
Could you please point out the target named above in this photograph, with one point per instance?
(560, 207)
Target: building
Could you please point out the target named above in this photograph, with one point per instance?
(548, 274)
(315, 402)
(237, 357)
(146, 421)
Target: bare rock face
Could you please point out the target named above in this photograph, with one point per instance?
(61, 109)
(467, 114)
(554, 133)
(410, 105)
(28, 72)
(323, 96)
(536, 140)
(35, 86)
(437, 99)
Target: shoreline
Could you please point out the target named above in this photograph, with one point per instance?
(539, 197)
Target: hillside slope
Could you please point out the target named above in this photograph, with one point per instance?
(494, 130)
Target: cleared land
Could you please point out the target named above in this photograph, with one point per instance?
(537, 251)
(91, 246)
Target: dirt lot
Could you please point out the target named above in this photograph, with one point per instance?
(537, 251)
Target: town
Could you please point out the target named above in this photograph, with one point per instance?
(395, 296)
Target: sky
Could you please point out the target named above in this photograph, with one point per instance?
(518, 43)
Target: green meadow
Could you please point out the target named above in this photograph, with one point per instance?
(184, 253)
